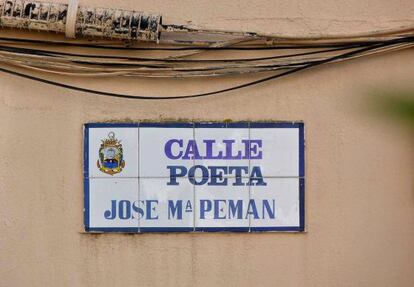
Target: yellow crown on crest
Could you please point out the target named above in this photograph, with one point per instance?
(111, 140)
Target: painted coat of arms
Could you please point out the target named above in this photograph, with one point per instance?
(111, 157)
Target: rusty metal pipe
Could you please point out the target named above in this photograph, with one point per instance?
(79, 21)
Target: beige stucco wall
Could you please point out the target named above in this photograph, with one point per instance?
(359, 169)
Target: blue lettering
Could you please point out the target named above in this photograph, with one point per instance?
(176, 171)
(192, 151)
(252, 209)
(216, 174)
(238, 174)
(256, 175)
(205, 206)
(219, 209)
(270, 211)
(229, 150)
(168, 148)
(138, 209)
(151, 208)
(192, 177)
(254, 151)
(236, 208)
(124, 209)
(111, 213)
(209, 150)
(188, 206)
(177, 208)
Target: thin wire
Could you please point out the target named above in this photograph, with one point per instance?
(237, 87)
(155, 71)
(54, 53)
(252, 48)
(241, 37)
(254, 35)
(36, 59)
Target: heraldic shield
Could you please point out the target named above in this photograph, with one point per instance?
(111, 157)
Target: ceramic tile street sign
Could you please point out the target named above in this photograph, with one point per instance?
(162, 177)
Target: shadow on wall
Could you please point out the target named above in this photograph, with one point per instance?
(395, 104)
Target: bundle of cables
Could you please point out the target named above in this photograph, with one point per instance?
(284, 56)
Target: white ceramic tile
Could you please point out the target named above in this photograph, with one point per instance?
(228, 142)
(128, 137)
(221, 206)
(108, 195)
(277, 203)
(280, 151)
(166, 206)
(153, 158)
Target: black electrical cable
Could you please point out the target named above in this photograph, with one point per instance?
(269, 67)
(38, 52)
(126, 96)
(25, 51)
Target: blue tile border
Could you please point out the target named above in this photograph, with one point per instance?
(167, 125)
(301, 150)
(256, 125)
(111, 125)
(200, 125)
(86, 177)
(299, 125)
(221, 229)
(279, 228)
(239, 125)
(301, 204)
(86, 203)
(112, 229)
(86, 151)
(165, 229)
